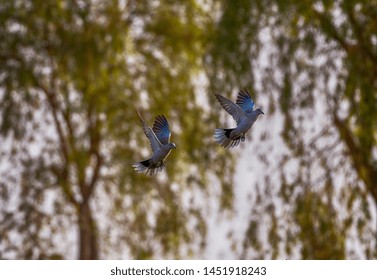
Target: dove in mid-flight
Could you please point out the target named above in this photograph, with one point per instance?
(243, 113)
(159, 138)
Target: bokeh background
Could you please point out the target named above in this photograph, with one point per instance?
(73, 72)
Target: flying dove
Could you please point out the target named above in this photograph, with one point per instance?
(244, 115)
(159, 138)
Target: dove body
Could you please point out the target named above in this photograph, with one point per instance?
(244, 126)
(161, 154)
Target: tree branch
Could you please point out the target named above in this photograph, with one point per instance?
(64, 174)
(358, 33)
(94, 134)
(364, 168)
(332, 32)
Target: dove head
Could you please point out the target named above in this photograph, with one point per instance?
(172, 146)
(259, 111)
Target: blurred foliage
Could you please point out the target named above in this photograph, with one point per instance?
(316, 63)
(72, 73)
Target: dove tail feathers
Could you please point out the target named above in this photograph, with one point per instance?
(145, 163)
(222, 136)
(146, 167)
(142, 166)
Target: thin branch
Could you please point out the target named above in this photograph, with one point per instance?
(358, 33)
(331, 31)
(54, 110)
(72, 141)
(365, 170)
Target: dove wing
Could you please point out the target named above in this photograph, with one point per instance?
(161, 129)
(244, 101)
(155, 143)
(233, 109)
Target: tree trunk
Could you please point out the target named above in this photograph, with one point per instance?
(87, 233)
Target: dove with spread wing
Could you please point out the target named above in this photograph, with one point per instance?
(159, 138)
(243, 113)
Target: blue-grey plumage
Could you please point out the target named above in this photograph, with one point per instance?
(159, 138)
(243, 113)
